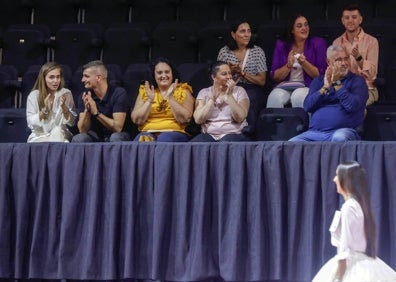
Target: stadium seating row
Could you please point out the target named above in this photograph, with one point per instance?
(273, 124)
(56, 13)
(14, 90)
(124, 44)
(186, 31)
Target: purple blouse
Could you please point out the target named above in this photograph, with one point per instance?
(314, 50)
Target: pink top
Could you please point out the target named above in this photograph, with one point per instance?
(220, 121)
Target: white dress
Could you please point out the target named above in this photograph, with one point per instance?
(347, 234)
(47, 130)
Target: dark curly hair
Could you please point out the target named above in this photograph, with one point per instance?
(175, 73)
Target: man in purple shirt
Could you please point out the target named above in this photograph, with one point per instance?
(336, 101)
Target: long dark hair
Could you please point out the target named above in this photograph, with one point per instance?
(234, 27)
(287, 34)
(175, 73)
(353, 179)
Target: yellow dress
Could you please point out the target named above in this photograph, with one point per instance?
(161, 117)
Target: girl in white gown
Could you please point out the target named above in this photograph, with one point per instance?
(353, 233)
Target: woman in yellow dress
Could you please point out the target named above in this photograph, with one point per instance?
(163, 110)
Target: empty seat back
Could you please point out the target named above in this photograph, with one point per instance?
(175, 40)
(281, 124)
(13, 126)
(77, 44)
(9, 86)
(55, 13)
(14, 12)
(25, 45)
(106, 12)
(212, 37)
(196, 75)
(125, 44)
(380, 123)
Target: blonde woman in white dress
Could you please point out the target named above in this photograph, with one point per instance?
(50, 107)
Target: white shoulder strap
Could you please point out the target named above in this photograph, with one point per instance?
(245, 59)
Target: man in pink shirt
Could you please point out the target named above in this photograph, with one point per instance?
(362, 47)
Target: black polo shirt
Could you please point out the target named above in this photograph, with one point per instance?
(115, 101)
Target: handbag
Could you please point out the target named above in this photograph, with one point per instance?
(290, 85)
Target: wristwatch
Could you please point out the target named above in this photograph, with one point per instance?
(97, 114)
(337, 82)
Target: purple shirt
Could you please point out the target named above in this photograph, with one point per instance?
(314, 51)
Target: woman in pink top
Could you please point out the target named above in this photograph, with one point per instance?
(353, 233)
(221, 109)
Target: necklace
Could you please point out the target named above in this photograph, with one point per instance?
(162, 103)
(240, 54)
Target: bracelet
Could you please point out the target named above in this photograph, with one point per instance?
(323, 90)
(44, 113)
(97, 114)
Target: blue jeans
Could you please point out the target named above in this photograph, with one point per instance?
(92, 136)
(232, 137)
(338, 135)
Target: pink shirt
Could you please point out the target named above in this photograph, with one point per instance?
(220, 121)
(369, 49)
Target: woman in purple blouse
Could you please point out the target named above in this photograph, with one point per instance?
(297, 60)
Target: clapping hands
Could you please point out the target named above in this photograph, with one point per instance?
(89, 103)
(333, 73)
(149, 90)
(230, 86)
(355, 51)
(171, 89)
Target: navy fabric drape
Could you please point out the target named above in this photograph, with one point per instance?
(255, 211)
